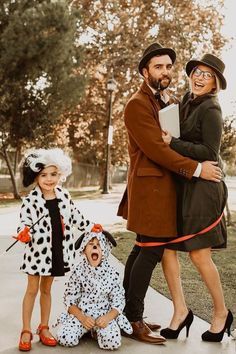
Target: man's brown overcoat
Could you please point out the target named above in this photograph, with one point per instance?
(149, 202)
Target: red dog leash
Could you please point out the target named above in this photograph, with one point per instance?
(181, 238)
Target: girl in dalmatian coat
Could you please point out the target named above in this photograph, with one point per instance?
(47, 218)
(94, 297)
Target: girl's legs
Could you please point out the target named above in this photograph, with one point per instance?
(171, 270)
(45, 302)
(203, 262)
(28, 304)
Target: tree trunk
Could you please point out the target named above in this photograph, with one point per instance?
(11, 172)
(228, 215)
(16, 156)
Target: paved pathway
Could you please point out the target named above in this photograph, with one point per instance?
(158, 308)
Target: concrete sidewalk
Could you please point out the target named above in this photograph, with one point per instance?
(157, 307)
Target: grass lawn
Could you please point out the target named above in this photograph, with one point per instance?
(7, 199)
(195, 292)
(8, 202)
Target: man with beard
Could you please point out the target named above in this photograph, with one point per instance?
(149, 202)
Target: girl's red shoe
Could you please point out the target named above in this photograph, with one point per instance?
(50, 341)
(25, 346)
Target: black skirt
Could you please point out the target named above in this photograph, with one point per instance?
(57, 238)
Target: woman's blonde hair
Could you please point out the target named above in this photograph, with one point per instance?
(218, 85)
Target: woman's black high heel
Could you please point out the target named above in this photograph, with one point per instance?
(169, 333)
(217, 337)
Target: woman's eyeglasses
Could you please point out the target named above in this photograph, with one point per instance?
(206, 74)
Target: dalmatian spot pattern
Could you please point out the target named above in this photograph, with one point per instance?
(33, 207)
(95, 291)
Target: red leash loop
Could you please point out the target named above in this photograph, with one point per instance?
(181, 238)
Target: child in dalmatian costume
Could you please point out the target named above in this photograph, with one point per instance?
(94, 297)
(47, 218)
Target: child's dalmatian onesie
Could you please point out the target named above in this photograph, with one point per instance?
(95, 290)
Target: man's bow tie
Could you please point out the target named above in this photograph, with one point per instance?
(158, 98)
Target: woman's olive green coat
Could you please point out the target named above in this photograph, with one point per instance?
(200, 202)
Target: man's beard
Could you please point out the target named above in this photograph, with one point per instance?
(157, 84)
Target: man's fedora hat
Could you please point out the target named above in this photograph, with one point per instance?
(213, 62)
(153, 50)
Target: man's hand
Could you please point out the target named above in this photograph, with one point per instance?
(210, 171)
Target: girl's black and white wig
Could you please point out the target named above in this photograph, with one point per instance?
(36, 160)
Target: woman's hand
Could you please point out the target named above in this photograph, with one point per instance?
(166, 136)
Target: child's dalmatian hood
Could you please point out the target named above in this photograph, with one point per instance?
(105, 239)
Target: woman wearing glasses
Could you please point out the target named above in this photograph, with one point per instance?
(200, 203)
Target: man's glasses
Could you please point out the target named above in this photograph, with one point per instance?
(206, 74)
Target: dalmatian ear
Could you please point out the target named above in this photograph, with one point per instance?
(110, 238)
(79, 241)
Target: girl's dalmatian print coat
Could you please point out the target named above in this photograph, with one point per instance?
(37, 258)
(95, 290)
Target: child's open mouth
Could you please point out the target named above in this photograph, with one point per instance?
(94, 256)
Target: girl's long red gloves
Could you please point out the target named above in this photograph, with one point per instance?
(23, 235)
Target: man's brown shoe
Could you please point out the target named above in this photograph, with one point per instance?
(152, 326)
(143, 333)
